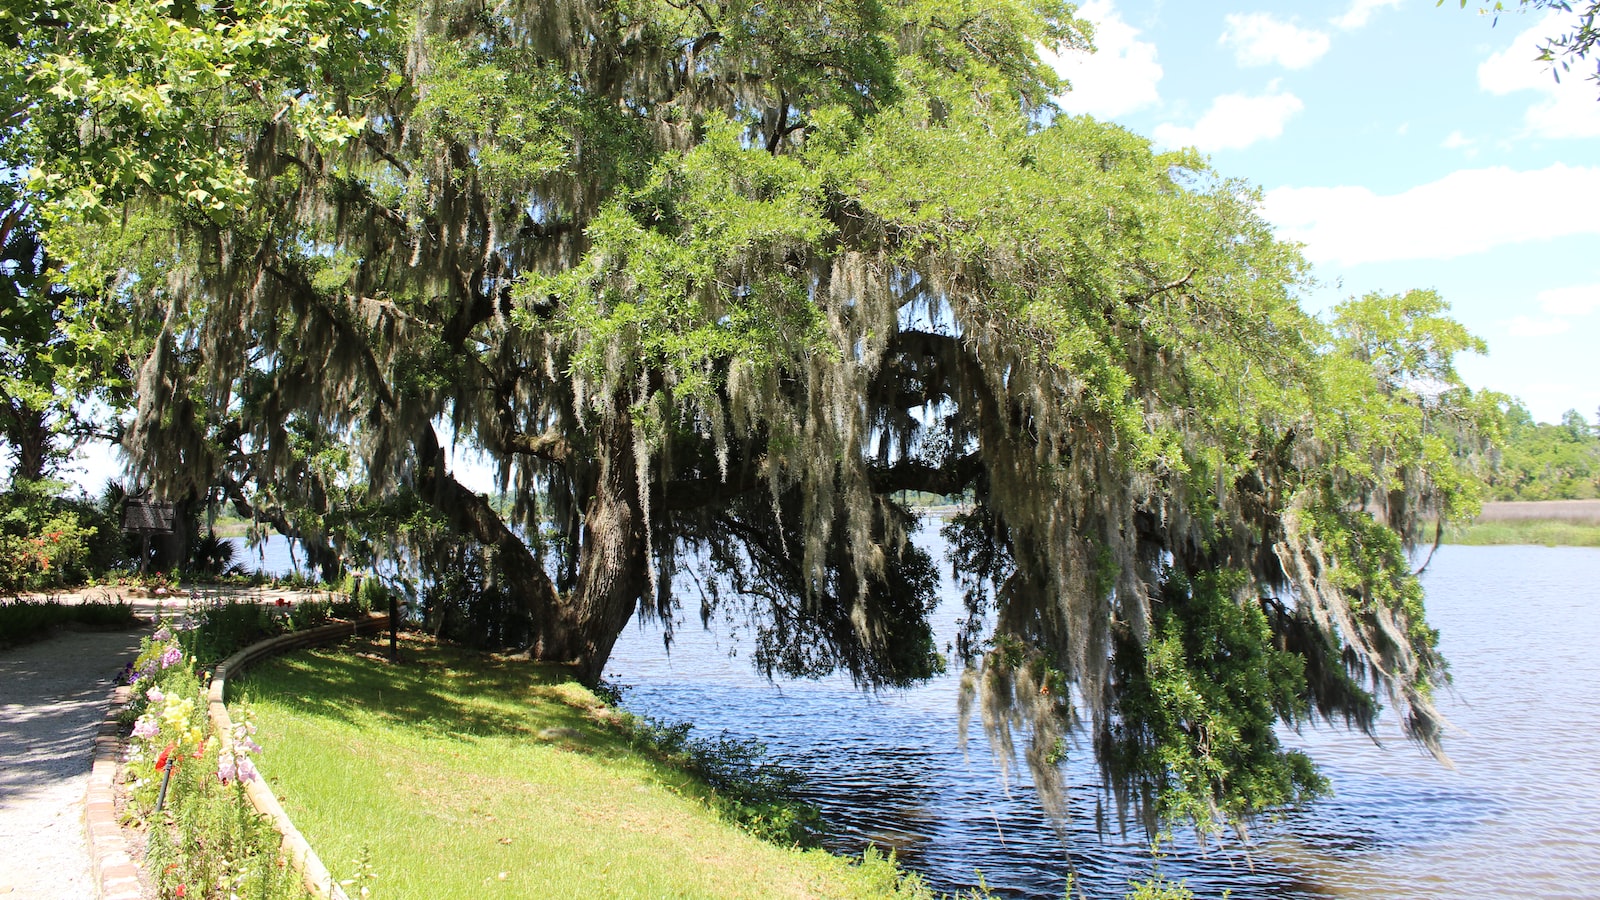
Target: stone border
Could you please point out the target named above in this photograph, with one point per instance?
(113, 871)
(317, 878)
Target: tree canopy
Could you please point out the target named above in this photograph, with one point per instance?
(713, 284)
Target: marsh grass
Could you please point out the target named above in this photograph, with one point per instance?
(464, 776)
(1539, 532)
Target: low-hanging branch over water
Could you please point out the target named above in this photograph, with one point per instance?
(713, 285)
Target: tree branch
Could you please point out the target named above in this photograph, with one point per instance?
(910, 475)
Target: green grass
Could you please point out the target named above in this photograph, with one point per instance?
(461, 776)
(22, 621)
(1546, 532)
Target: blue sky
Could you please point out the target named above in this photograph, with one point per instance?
(1404, 144)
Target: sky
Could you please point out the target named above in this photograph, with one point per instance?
(1405, 144)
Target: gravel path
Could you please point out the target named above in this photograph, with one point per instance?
(53, 695)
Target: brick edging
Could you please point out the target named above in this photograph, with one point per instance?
(112, 868)
(317, 878)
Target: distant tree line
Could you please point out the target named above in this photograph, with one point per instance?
(1547, 462)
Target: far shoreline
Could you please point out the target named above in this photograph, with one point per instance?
(1547, 523)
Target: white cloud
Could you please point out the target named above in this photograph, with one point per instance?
(1530, 327)
(1360, 13)
(1456, 141)
(1258, 39)
(1234, 121)
(1559, 307)
(1465, 212)
(1578, 300)
(1118, 78)
(1565, 109)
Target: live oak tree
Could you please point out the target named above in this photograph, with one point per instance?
(713, 285)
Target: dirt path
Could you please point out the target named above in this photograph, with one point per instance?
(53, 695)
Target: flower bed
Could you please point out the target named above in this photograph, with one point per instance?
(204, 840)
(189, 785)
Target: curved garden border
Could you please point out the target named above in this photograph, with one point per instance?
(316, 875)
(115, 877)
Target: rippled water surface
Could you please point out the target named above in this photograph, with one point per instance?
(1518, 816)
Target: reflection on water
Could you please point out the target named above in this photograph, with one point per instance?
(1516, 817)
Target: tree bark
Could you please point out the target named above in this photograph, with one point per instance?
(613, 568)
(29, 434)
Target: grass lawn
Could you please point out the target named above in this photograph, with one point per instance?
(461, 776)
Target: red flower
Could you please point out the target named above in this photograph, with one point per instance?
(161, 761)
(182, 889)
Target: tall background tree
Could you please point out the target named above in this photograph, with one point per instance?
(714, 284)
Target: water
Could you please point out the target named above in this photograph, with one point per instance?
(1516, 817)
(277, 556)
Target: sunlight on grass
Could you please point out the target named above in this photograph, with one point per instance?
(471, 777)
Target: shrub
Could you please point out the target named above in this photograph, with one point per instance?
(49, 541)
(27, 620)
(216, 629)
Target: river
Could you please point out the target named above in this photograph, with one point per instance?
(1519, 815)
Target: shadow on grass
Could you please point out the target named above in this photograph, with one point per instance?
(437, 691)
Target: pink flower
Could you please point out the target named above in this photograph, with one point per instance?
(226, 769)
(172, 657)
(154, 695)
(145, 728)
(247, 769)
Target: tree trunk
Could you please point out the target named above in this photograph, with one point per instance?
(579, 627)
(29, 435)
(613, 568)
